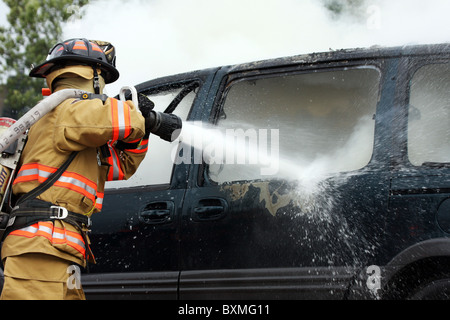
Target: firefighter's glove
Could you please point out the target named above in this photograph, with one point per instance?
(146, 106)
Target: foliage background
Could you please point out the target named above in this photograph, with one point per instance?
(34, 27)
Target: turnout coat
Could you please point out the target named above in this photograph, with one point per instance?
(84, 126)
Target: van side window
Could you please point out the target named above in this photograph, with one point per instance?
(429, 115)
(291, 124)
(157, 166)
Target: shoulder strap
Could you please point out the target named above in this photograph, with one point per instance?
(49, 182)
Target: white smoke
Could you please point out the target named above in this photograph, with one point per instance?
(163, 37)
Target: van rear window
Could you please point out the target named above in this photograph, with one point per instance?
(429, 115)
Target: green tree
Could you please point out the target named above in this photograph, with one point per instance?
(34, 27)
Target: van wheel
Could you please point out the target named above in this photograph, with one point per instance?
(434, 290)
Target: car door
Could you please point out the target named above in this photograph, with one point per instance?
(420, 194)
(289, 198)
(134, 238)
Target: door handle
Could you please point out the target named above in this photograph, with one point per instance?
(210, 209)
(157, 212)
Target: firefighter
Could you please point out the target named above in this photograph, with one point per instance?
(104, 138)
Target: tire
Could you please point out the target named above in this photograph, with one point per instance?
(434, 290)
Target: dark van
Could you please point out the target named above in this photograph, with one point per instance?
(347, 195)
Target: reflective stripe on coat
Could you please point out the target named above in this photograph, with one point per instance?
(53, 234)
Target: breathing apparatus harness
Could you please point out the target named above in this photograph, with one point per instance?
(29, 210)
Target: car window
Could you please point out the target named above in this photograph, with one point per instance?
(429, 115)
(157, 166)
(282, 126)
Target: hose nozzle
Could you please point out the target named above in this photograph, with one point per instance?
(165, 125)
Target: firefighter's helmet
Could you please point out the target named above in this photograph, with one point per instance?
(98, 54)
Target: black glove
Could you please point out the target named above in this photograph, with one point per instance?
(146, 106)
